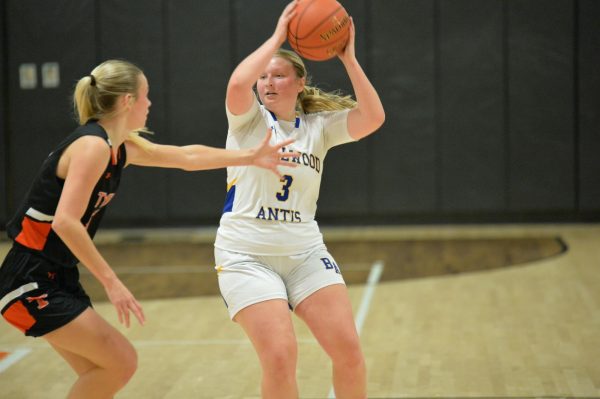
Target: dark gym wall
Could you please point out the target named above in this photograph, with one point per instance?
(403, 171)
(541, 105)
(3, 135)
(40, 32)
(587, 140)
(491, 107)
(469, 105)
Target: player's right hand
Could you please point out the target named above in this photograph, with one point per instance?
(124, 302)
(284, 20)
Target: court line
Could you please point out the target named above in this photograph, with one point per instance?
(365, 303)
(12, 358)
(372, 281)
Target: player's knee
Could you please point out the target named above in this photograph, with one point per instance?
(354, 359)
(129, 366)
(350, 356)
(281, 358)
(126, 371)
(125, 364)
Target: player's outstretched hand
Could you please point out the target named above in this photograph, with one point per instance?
(271, 157)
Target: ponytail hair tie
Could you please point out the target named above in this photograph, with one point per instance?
(93, 80)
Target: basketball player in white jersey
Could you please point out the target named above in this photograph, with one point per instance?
(269, 252)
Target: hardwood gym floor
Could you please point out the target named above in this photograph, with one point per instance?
(470, 311)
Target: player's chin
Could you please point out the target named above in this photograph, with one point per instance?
(271, 98)
(138, 126)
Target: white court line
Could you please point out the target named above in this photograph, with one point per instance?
(372, 281)
(365, 303)
(14, 357)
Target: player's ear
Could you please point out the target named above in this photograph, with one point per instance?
(126, 100)
(301, 84)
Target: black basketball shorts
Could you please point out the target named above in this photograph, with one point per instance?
(38, 296)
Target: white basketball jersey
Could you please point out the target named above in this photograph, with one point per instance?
(264, 215)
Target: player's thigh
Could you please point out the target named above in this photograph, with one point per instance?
(269, 326)
(312, 271)
(80, 364)
(91, 337)
(328, 314)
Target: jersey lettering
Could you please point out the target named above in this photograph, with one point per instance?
(103, 200)
(329, 264)
(305, 159)
(278, 214)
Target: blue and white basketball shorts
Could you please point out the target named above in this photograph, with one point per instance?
(246, 279)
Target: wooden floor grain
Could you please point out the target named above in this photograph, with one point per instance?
(524, 331)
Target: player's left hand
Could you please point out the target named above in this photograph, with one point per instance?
(270, 156)
(348, 53)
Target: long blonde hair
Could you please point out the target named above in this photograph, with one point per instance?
(96, 94)
(313, 99)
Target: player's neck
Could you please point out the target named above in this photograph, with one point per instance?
(286, 116)
(115, 129)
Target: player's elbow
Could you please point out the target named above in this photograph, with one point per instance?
(192, 158)
(235, 86)
(188, 164)
(376, 120)
(61, 223)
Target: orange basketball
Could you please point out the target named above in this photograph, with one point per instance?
(319, 30)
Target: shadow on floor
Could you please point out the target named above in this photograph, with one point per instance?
(183, 269)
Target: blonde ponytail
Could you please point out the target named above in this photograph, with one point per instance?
(313, 99)
(83, 99)
(96, 95)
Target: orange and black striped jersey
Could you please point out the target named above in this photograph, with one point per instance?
(31, 227)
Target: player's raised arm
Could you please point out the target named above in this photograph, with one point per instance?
(239, 96)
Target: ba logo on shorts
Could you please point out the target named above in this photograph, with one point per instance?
(330, 265)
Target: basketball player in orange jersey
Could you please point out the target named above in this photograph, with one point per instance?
(269, 252)
(40, 293)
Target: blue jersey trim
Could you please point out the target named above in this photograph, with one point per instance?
(228, 207)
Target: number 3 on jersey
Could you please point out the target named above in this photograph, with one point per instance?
(285, 190)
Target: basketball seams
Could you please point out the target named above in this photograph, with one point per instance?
(329, 45)
(306, 53)
(324, 21)
(306, 8)
(294, 35)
